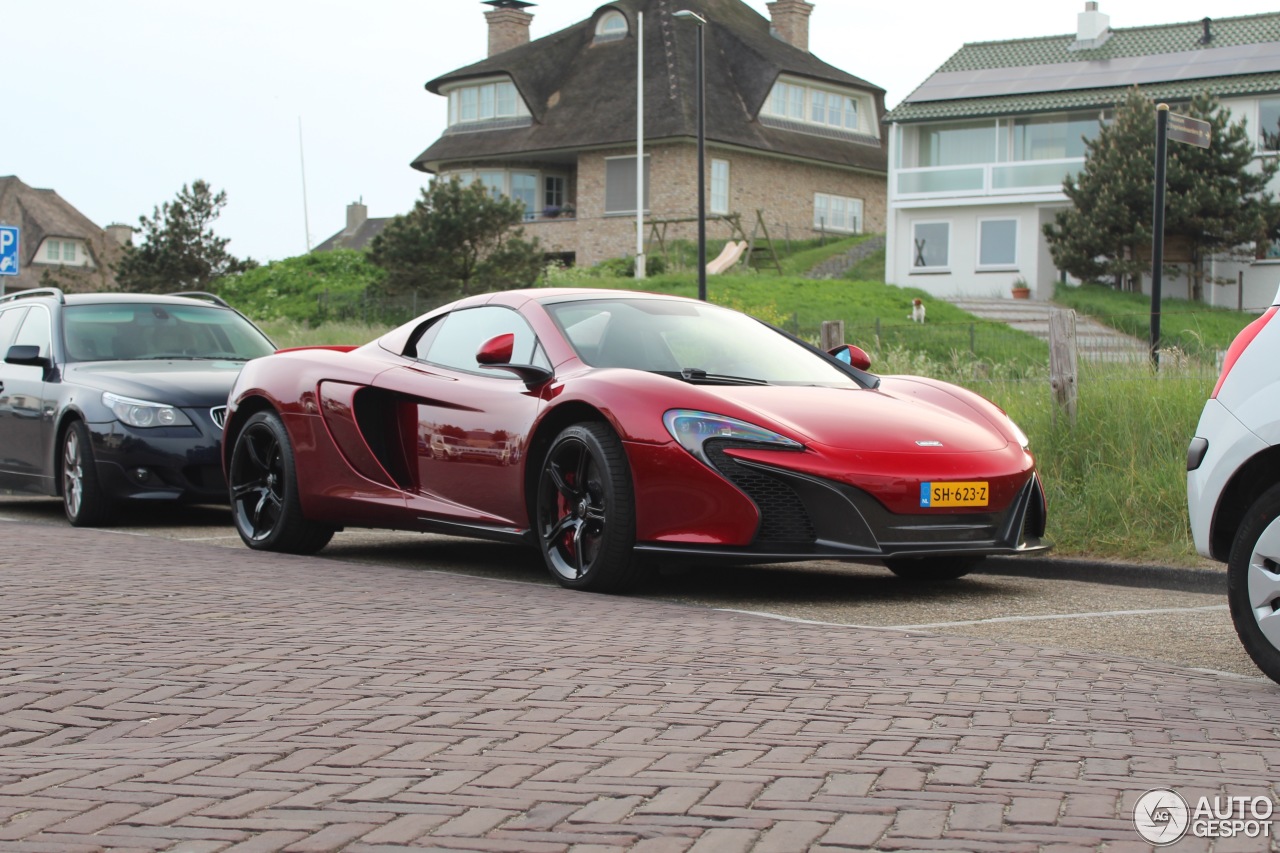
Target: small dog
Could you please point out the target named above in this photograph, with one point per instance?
(917, 310)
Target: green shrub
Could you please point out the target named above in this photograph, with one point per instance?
(299, 288)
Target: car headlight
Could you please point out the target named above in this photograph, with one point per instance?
(693, 429)
(140, 413)
(1020, 435)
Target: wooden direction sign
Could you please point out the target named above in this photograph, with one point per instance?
(1190, 130)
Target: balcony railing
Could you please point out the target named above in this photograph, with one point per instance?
(983, 179)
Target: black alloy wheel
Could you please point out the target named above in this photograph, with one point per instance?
(264, 491)
(586, 511)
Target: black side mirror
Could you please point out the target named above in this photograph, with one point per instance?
(28, 356)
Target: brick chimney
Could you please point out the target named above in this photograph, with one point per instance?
(791, 22)
(508, 25)
(357, 213)
(121, 234)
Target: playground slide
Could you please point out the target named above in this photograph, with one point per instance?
(727, 258)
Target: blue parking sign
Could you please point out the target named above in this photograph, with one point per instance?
(8, 250)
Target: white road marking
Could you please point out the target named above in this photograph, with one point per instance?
(1047, 617)
(1102, 614)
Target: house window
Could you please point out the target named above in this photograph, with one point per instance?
(931, 246)
(837, 213)
(524, 189)
(812, 105)
(1269, 124)
(68, 251)
(620, 185)
(611, 26)
(719, 186)
(1053, 137)
(485, 102)
(958, 144)
(553, 191)
(997, 243)
(494, 182)
(53, 250)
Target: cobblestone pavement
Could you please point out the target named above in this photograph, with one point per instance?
(159, 695)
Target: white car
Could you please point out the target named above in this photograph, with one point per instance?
(1233, 485)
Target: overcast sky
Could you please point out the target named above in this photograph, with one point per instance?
(116, 105)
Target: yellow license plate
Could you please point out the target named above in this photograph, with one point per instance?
(934, 495)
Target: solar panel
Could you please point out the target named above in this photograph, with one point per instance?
(1101, 73)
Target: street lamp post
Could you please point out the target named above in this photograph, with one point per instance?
(700, 73)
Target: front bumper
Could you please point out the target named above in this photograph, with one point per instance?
(806, 517)
(1230, 447)
(163, 463)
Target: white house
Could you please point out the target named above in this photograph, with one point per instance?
(979, 151)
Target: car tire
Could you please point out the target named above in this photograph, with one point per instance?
(585, 515)
(1253, 582)
(931, 569)
(83, 497)
(263, 485)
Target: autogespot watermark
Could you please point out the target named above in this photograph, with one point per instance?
(1162, 817)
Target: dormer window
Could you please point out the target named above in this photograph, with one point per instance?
(488, 101)
(611, 26)
(816, 105)
(63, 252)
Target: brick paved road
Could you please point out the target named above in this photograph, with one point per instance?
(158, 695)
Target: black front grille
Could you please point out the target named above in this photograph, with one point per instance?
(783, 517)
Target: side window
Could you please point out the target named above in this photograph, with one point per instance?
(9, 321)
(34, 331)
(462, 333)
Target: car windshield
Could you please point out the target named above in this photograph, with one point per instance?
(694, 341)
(134, 331)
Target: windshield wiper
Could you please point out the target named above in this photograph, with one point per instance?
(698, 375)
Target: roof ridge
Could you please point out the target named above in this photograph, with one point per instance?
(1139, 28)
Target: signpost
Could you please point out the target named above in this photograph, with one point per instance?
(1191, 131)
(9, 243)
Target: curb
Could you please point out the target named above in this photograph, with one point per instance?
(1106, 572)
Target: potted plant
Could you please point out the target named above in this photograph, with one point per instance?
(566, 210)
(551, 211)
(1020, 289)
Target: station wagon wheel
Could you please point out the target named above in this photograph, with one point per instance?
(263, 483)
(83, 498)
(931, 569)
(1253, 583)
(585, 511)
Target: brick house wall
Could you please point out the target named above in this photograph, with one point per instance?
(783, 189)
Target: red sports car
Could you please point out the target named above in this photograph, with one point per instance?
(611, 428)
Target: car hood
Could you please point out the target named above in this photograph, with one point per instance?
(176, 382)
(902, 415)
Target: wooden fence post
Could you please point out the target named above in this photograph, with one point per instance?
(1062, 362)
(832, 334)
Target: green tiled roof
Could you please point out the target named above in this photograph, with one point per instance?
(1249, 84)
(1134, 41)
(1160, 40)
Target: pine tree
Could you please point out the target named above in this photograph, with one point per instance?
(456, 240)
(1216, 200)
(179, 250)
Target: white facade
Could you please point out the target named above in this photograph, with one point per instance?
(960, 191)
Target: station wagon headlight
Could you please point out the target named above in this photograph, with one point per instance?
(693, 429)
(141, 413)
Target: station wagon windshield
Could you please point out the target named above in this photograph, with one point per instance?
(151, 330)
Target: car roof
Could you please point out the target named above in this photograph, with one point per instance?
(110, 298)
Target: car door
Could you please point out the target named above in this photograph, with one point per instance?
(472, 422)
(24, 427)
